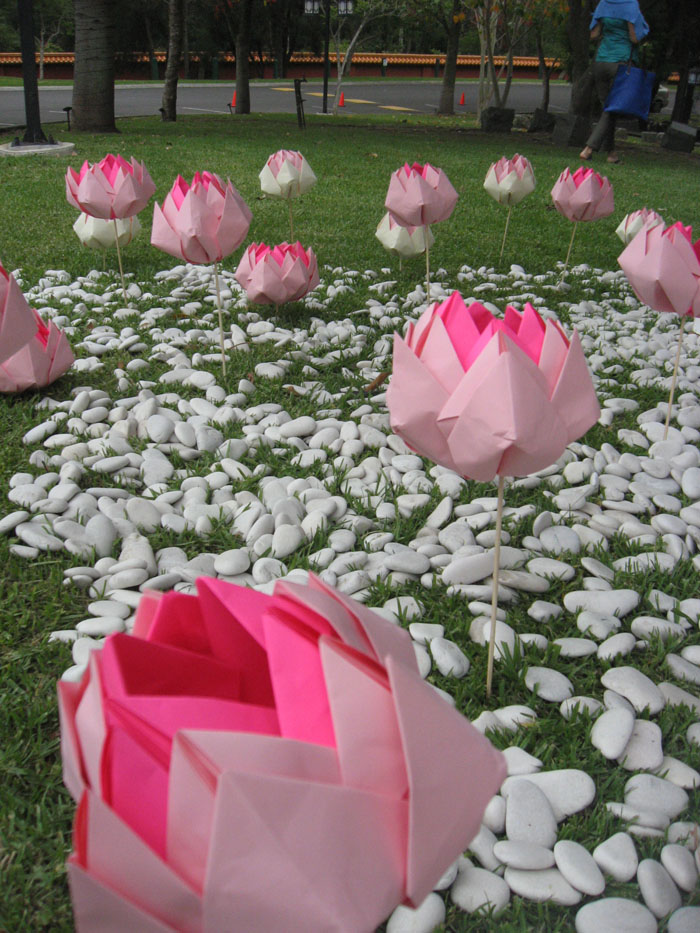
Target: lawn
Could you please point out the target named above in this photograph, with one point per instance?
(353, 160)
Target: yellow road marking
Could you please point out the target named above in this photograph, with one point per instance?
(392, 107)
(289, 89)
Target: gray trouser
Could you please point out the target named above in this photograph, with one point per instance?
(603, 135)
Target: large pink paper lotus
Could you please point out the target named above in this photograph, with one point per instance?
(663, 268)
(583, 195)
(508, 181)
(201, 222)
(111, 189)
(484, 395)
(420, 195)
(404, 241)
(45, 357)
(263, 763)
(632, 223)
(276, 274)
(286, 174)
(17, 323)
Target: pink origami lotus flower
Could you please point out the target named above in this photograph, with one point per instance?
(286, 174)
(508, 181)
(585, 195)
(485, 396)
(110, 189)
(276, 274)
(17, 323)
(263, 763)
(663, 268)
(420, 195)
(45, 357)
(201, 222)
(631, 224)
(404, 241)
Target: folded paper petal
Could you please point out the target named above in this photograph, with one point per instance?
(18, 324)
(508, 181)
(279, 274)
(101, 234)
(583, 195)
(483, 395)
(419, 195)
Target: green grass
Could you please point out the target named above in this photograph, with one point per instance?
(352, 158)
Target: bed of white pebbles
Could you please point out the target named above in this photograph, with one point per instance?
(100, 479)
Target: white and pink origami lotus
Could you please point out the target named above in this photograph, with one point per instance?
(252, 762)
(420, 195)
(508, 181)
(201, 222)
(111, 189)
(32, 354)
(277, 274)
(631, 224)
(96, 233)
(583, 195)
(484, 395)
(286, 174)
(404, 241)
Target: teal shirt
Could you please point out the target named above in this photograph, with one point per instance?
(615, 45)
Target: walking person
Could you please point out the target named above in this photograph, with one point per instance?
(620, 26)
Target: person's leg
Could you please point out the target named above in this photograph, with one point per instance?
(603, 135)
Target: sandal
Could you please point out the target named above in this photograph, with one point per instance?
(616, 161)
(586, 158)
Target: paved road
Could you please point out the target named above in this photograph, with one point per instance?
(372, 96)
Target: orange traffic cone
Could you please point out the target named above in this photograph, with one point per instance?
(233, 99)
(461, 100)
(341, 102)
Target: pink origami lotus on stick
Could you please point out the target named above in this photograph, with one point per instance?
(486, 396)
(582, 196)
(277, 274)
(406, 242)
(257, 762)
(631, 224)
(17, 323)
(45, 357)
(202, 223)
(420, 195)
(663, 268)
(508, 181)
(111, 189)
(287, 174)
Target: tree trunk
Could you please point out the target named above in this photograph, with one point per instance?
(34, 132)
(176, 15)
(344, 69)
(242, 54)
(93, 72)
(544, 73)
(580, 12)
(447, 93)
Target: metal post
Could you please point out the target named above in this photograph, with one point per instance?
(34, 132)
(326, 58)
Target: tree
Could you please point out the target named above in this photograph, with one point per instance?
(453, 27)
(242, 55)
(93, 74)
(49, 16)
(578, 35)
(34, 132)
(176, 18)
(365, 12)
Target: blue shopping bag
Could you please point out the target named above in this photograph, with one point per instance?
(631, 92)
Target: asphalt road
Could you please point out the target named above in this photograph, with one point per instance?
(372, 96)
